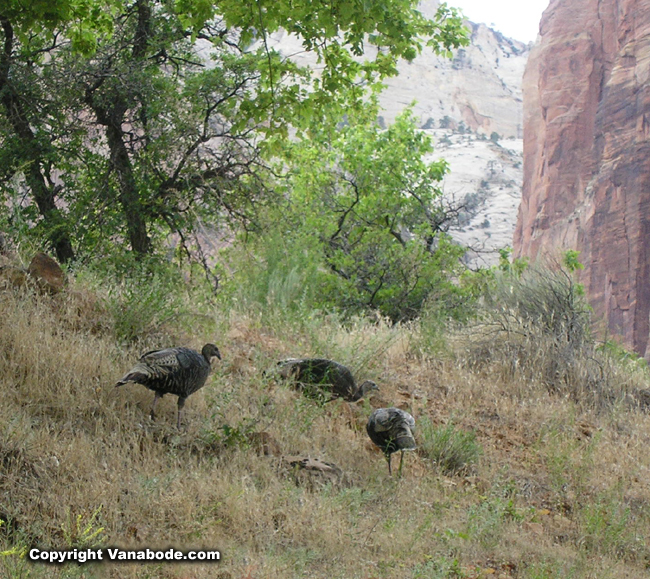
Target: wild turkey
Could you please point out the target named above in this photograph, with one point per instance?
(180, 371)
(312, 374)
(391, 429)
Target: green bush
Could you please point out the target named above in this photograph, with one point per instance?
(453, 451)
(364, 207)
(144, 297)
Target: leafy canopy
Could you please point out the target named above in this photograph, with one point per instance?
(85, 21)
(131, 134)
(364, 203)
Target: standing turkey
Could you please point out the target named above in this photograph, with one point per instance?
(391, 429)
(318, 375)
(179, 371)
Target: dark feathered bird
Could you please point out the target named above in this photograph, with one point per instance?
(180, 371)
(325, 375)
(391, 429)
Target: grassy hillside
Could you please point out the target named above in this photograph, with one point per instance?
(517, 475)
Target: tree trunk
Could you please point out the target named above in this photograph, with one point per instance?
(32, 153)
(110, 113)
(129, 198)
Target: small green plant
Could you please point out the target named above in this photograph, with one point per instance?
(304, 414)
(228, 432)
(439, 568)
(515, 266)
(622, 356)
(14, 547)
(560, 456)
(140, 305)
(13, 563)
(570, 260)
(18, 550)
(452, 450)
(608, 529)
(239, 435)
(83, 530)
(548, 570)
(486, 520)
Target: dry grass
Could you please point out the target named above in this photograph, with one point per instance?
(561, 489)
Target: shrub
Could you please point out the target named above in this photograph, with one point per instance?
(144, 298)
(452, 450)
(536, 325)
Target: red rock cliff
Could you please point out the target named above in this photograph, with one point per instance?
(587, 154)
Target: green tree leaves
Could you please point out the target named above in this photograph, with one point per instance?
(128, 133)
(369, 198)
(84, 22)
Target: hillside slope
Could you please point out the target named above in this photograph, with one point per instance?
(511, 479)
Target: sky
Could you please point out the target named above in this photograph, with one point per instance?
(518, 19)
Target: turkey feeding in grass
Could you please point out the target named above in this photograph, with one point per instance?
(179, 371)
(318, 376)
(391, 429)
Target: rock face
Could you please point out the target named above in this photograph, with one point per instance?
(47, 273)
(485, 176)
(586, 149)
(480, 86)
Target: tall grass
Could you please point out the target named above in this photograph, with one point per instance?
(537, 327)
(559, 487)
(275, 277)
(451, 450)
